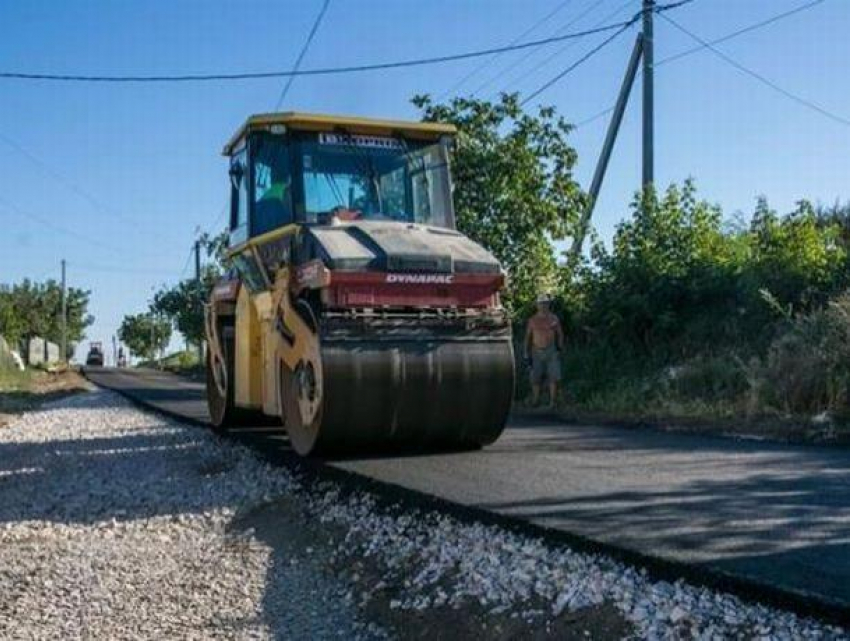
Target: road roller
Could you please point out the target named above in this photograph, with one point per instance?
(352, 311)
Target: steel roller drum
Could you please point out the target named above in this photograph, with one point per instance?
(414, 393)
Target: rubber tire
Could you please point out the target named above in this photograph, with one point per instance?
(304, 438)
(222, 409)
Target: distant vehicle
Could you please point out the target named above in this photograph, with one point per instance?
(95, 355)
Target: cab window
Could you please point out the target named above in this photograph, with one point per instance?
(272, 184)
(238, 198)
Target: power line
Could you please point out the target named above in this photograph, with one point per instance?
(739, 32)
(73, 186)
(700, 47)
(561, 50)
(487, 62)
(301, 55)
(188, 261)
(221, 215)
(259, 75)
(593, 118)
(660, 10)
(46, 222)
(765, 81)
(530, 53)
(578, 62)
(118, 269)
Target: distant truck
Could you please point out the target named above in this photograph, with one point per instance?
(95, 355)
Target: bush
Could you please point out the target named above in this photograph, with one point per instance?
(807, 368)
(685, 312)
(711, 379)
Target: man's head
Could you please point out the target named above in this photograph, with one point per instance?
(544, 303)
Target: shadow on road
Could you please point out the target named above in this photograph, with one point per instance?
(790, 530)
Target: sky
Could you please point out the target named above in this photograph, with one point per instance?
(117, 179)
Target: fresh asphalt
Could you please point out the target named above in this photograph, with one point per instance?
(764, 513)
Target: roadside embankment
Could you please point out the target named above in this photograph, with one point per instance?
(119, 523)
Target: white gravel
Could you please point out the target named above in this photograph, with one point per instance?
(442, 561)
(112, 525)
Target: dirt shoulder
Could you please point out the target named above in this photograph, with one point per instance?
(780, 429)
(24, 391)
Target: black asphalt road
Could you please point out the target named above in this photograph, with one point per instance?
(775, 514)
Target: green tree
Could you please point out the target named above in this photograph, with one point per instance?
(836, 214)
(11, 324)
(29, 309)
(670, 278)
(679, 288)
(799, 258)
(146, 334)
(514, 187)
(183, 303)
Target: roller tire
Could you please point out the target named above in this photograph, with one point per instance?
(224, 415)
(304, 436)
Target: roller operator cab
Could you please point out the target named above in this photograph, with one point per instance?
(353, 311)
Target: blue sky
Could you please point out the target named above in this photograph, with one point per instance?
(116, 179)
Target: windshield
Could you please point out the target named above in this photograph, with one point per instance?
(375, 178)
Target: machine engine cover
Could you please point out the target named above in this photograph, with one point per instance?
(389, 246)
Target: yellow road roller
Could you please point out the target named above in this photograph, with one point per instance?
(353, 312)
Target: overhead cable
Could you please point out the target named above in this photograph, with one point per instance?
(487, 62)
(587, 56)
(762, 79)
(259, 75)
(682, 54)
(557, 53)
(301, 55)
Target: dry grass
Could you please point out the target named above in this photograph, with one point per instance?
(23, 391)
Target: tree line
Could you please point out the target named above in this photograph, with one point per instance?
(177, 307)
(29, 309)
(686, 309)
(683, 305)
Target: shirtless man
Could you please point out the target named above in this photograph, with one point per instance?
(544, 340)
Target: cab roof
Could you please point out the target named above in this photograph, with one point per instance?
(324, 122)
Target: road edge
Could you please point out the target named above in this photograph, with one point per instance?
(389, 495)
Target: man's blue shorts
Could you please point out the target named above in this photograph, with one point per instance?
(545, 364)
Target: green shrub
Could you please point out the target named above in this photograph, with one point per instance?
(686, 313)
(709, 378)
(807, 368)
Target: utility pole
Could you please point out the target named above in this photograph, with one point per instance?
(64, 323)
(607, 148)
(153, 340)
(648, 95)
(641, 52)
(200, 289)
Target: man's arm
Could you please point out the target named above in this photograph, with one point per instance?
(559, 335)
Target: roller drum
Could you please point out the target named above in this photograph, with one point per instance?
(429, 393)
